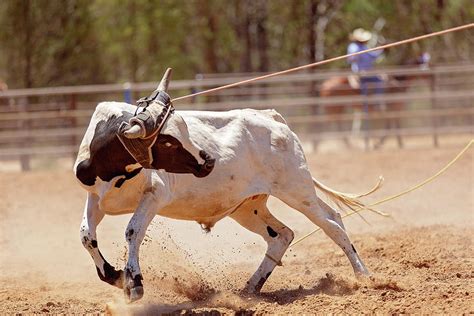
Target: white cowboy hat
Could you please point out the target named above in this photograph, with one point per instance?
(361, 35)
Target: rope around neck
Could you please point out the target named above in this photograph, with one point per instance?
(243, 82)
(393, 197)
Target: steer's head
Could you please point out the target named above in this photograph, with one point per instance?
(174, 149)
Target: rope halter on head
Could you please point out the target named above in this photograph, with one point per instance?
(150, 121)
(140, 133)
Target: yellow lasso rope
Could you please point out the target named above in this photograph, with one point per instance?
(393, 197)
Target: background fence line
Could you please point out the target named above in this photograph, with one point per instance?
(438, 100)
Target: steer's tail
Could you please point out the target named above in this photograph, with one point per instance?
(347, 199)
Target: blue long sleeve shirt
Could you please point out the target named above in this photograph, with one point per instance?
(364, 61)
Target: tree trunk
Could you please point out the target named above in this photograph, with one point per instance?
(153, 32)
(27, 78)
(262, 38)
(133, 50)
(242, 25)
(440, 10)
(312, 20)
(209, 35)
(326, 11)
(28, 48)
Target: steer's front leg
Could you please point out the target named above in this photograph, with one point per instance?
(134, 234)
(92, 217)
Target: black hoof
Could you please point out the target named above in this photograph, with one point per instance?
(133, 287)
(134, 294)
(250, 290)
(112, 276)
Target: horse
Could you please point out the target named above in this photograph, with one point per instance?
(350, 86)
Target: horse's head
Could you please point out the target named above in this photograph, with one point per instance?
(422, 61)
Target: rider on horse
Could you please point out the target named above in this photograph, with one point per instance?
(364, 62)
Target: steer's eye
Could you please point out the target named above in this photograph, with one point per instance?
(168, 144)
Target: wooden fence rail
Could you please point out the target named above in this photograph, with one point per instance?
(264, 104)
(12, 135)
(214, 82)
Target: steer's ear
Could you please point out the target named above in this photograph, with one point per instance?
(165, 81)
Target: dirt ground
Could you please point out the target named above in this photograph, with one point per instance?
(421, 258)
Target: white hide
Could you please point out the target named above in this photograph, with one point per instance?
(253, 153)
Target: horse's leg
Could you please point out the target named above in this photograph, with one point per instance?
(382, 108)
(399, 136)
(340, 128)
(397, 122)
(364, 86)
(357, 120)
(366, 126)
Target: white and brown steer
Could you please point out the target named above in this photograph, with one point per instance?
(205, 166)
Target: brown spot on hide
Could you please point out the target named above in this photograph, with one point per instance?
(353, 248)
(280, 143)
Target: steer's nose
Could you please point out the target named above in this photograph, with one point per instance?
(207, 166)
(208, 160)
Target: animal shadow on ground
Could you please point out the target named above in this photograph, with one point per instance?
(241, 304)
(188, 308)
(329, 285)
(205, 307)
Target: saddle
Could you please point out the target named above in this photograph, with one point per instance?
(151, 124)
(354, 81)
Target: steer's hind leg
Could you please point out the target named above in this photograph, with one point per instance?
(255, 216)
(323, 215)
(92, 218)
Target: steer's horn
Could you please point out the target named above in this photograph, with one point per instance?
(135, 131)
(163, 86)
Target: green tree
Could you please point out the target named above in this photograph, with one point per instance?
(48, 43)
(62, 42)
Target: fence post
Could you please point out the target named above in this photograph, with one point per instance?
(196, 88)
(315, 109)
(24, 125)
(434, 106)
(73, 124)
(127, 92)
